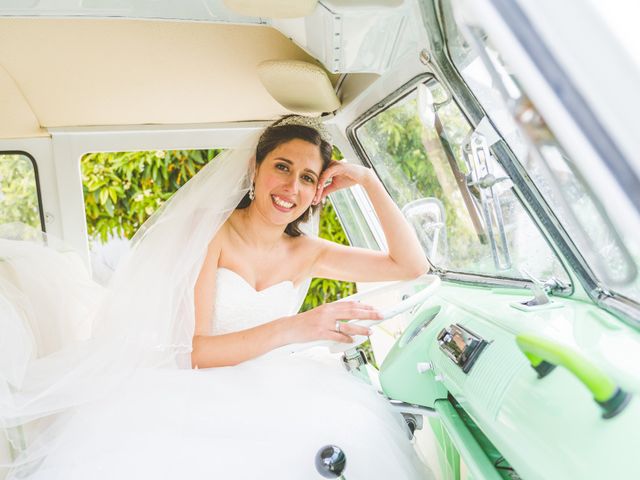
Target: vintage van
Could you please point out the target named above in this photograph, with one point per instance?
(505, 130)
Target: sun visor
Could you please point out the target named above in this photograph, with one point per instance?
(272, 8)
(299, 86)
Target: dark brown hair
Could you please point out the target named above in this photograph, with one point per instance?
(274, 136)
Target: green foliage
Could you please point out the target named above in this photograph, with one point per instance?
(396, 135)
(18, 194)
(121, 190)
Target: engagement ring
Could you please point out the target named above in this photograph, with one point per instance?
(338, 323)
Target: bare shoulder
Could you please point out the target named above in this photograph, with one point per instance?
(218, 242)
(307, 245)
(308, 250)
(222, 234)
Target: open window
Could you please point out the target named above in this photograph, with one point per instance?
(19, 191)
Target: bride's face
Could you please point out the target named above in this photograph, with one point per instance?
(286, 180)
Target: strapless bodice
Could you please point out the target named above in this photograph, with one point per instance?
(239, 306)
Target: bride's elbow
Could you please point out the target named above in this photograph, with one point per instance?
(196, 352)
(194, 359)
(417, 269)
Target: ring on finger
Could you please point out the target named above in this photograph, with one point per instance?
(338, 325)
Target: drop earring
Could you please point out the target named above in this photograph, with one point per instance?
(252, 192)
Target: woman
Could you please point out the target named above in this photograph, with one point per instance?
(220, 286)
(261, 244)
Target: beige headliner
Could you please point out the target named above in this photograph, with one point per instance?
(81, 72)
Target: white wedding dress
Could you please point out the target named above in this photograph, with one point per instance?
(263, 419)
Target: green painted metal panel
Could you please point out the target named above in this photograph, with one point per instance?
(400, 376)
(449, 458)
(547, 428)
(474, 456)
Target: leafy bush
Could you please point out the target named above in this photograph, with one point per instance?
(121, 190)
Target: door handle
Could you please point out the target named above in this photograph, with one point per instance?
(545, 354)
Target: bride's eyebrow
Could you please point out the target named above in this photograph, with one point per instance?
(308, 170)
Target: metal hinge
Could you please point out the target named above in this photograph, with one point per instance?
(354, 359)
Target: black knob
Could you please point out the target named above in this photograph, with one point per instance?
(330, 461)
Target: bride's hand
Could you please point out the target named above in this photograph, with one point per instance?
(320, 323)
(341, 175)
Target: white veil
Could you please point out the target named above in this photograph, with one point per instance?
(143, 319)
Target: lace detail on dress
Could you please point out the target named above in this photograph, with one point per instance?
(239, 306)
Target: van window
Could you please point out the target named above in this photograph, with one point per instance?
(353, 220)
(589, 207)
(123, 189)
(19, 198)
(428, 168)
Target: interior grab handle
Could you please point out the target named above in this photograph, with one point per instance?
(545, 354)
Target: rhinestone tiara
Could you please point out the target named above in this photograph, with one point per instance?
(311, 122)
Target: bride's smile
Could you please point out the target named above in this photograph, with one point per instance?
(282, 204)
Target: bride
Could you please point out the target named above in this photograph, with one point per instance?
(215, 279)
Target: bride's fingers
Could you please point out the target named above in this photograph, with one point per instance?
(319, 193)
(326, 191)
(323, 189)
(356, 311)
(318, 196)
(339, 337)
(326, 180)
(351, 329)
(329, 172)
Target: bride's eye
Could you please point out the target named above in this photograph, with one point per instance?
(282, 166)
(308, 179)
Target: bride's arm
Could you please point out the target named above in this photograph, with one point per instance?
(405, 258)
(317, 324)
(230, 349)
(234, 348)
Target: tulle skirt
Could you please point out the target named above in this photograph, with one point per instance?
(263, 419)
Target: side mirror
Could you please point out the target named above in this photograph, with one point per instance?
(427, 217)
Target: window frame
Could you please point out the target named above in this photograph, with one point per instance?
(398, 95)
(361, 204)
(34, 164)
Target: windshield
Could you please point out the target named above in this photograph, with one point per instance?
(467, 215)
(601, 232)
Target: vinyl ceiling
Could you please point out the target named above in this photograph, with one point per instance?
(84, 72)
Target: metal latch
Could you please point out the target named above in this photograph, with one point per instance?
(354, 359)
